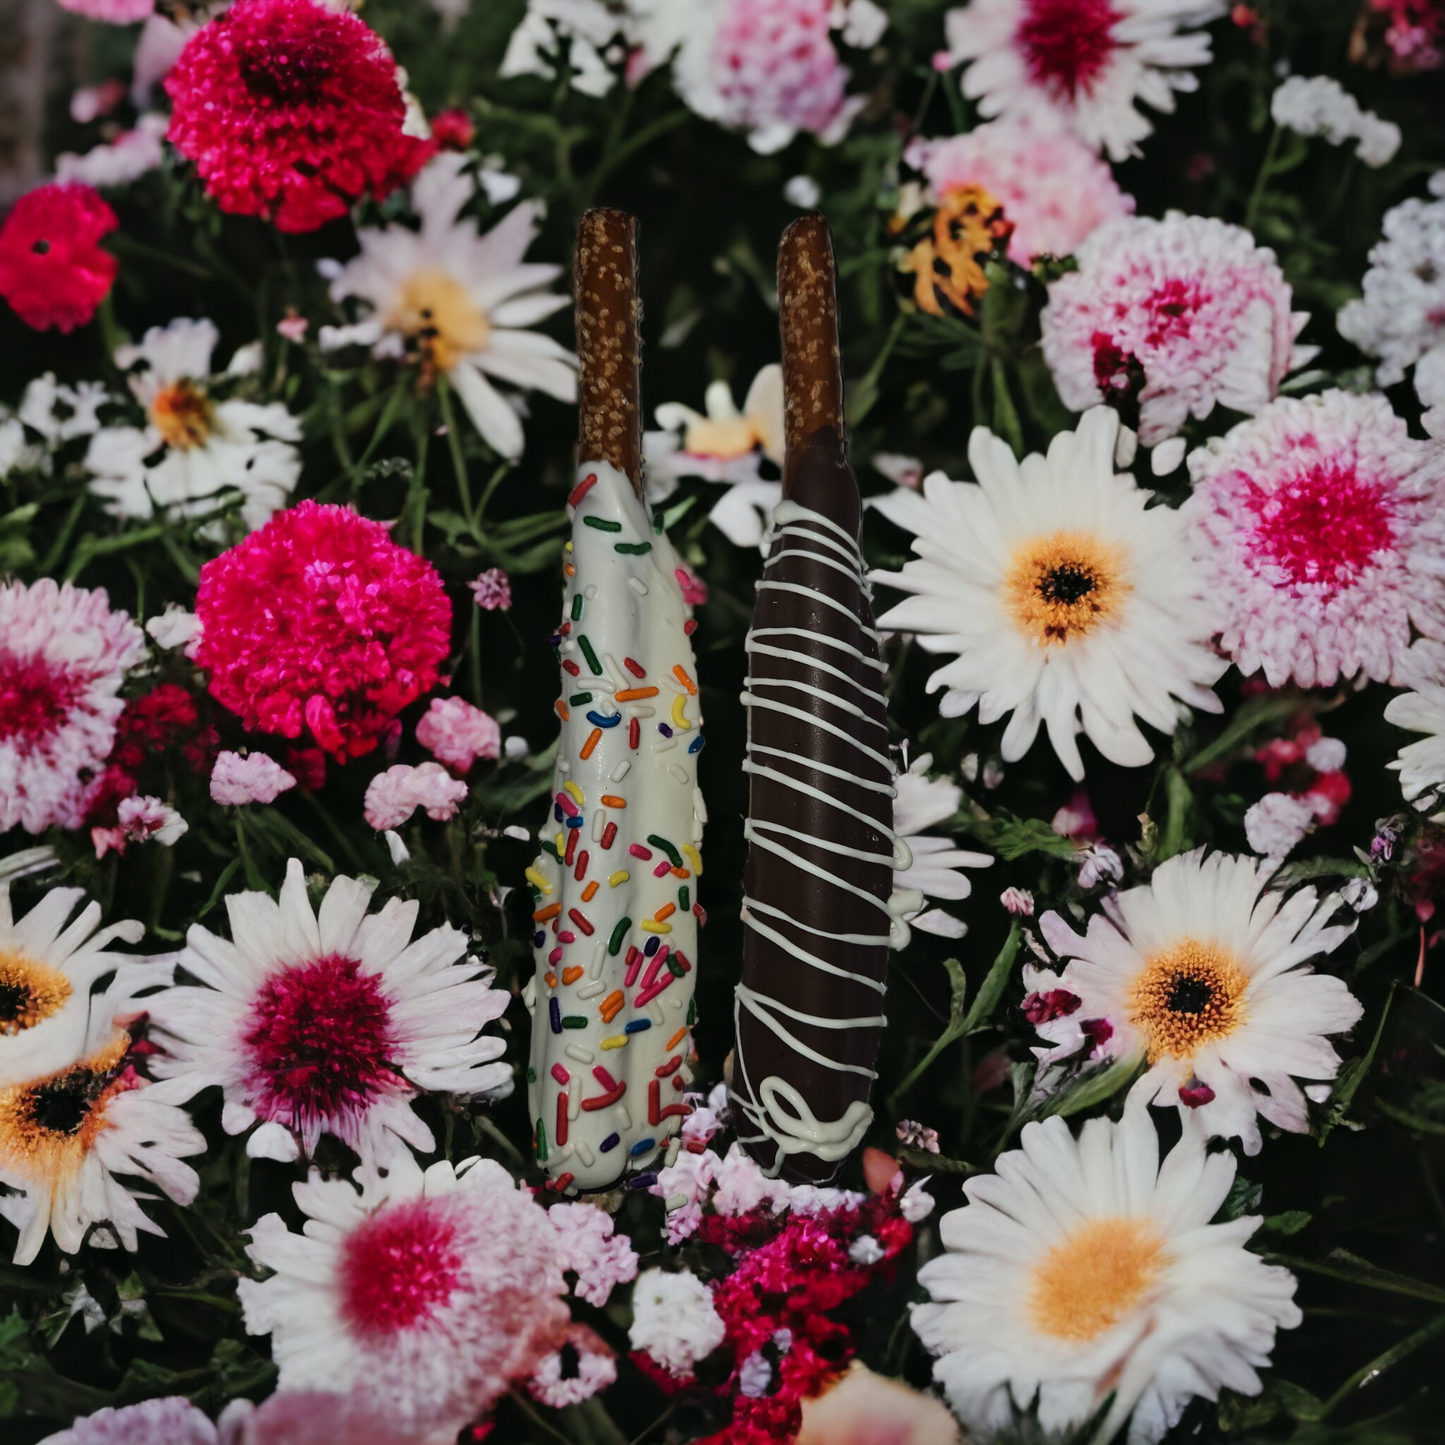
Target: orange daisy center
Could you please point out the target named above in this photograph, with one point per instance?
(1061, 587)
(1094, 1278)
(1187, 996)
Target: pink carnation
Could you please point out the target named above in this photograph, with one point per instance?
(236, 780)
(291, 110)
(1053, 188)
(63, 657)
(493, 589)
(172, 1420)
(1164, 319)
(595, 1370)
(320, 621)
(588, 1246)
(1322, 524)
(393, 796)
(458, 733)
(117, 12)
(53, 270)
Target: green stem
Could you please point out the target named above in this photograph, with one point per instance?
(628, 148)
(1367, 1373)
(459, 461)
(1266, 169)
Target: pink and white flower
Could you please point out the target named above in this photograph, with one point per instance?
(1320, 525)
(1082, 62)
(595, 1370)
(424, 1295)
(1165, 319)
(393, 796)
(125, 159)
(588, 1245)
(1052, 187)
(63, 657)
(491, 589)
(255, 778)
(139, 820)
(458, 734)
(329, 1024)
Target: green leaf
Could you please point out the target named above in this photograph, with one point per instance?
(1256, 713)
(1341, 1264)
(1298, 1402)
(1013, 838)
(1351, 1076)
(994, 984)
(1244, 1197)
(1368, 1373)
(1290, 1222)
(1093, 1087)
(1178, 803)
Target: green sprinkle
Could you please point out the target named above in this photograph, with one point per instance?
(550, 848)
(531, 1074)
(601, 525)
(633, 549)
(541, 1141)
(691, 1012)
(666, 848)
(578, 698)
(618, 934)
(684, 899)
(674, 967)
(576, 606)
(573, 1021)
(587, 652)
(657, 524)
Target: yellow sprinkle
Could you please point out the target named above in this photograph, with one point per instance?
(578, 796)
(678, 703)
(561, 841)
(532, 876)
(568, 547)
(621, 876)
(617, 1041)
(651, 925)
(693, 857)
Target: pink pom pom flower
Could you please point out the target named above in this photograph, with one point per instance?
(393, 796)
(253, 779)
(457, 733)
(52, 268)
(291, 110)
(321, 622)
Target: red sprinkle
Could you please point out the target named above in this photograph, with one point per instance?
(563, 1180)
(663, 1070)
(634, 733)
(603, 1077)
(580, 872)
(656, 1113)
(561, 1075)
(634, 962)
(603, 1101)
(560, 1136)
(569, 666)
(638, 851)
(701, 915)
(580, 921)
(581, 489)
(571, 852)
(635, 668)
(689, 627)
(681, 957)
(609, 836)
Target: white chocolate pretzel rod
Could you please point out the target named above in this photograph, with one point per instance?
(614, 887)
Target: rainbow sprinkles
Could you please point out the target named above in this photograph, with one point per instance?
(614, 887)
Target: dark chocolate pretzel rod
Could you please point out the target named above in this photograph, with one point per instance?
(821, 848)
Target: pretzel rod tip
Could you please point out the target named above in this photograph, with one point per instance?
(808, 319)
(609, 347)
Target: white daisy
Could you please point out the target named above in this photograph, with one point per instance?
(47, 971)
(329, 1024)
(60, 413)
(194, 446)
(1085, 62)
(65, 1136)
(1421, 765)
(424, 1295)
(1067, 602)
(723, 444)
(462, 302)
(1204, 976)
(919, 803)
(1086, 1268)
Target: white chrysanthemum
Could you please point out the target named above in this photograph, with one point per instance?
(921, 802)
(723, 445)
(1421, 765)
(1167, 319)
(1067, 602)
(1086, 1267)
(65, 1135)
(47, 972)
(673, 1319)
(1401, 316)
(331, 1023)
(63, 657)
(535, 49)
(1320, 105)
(1204, 976)
(1084, 61)
(125, 159)
(60, 413)
(462, 302)
(193, 447)
(424, 1295)
(1320, 525)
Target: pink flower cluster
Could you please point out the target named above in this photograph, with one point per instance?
(237, 780)
(1416, 33)
(457, 733)
(393, 796)
(1310, 788)
(320, 622)
(291, 110)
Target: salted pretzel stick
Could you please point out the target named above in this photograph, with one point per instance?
(615, 886)
(821, 848)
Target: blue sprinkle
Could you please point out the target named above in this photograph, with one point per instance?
(641, 1181)
(554, 639)
(643, 1146)
(598, 721)
(573, 822)
(539, 938)
(695, 746)
(554, 1012)
(664, 730)
(652, 945)
(637, 1026)
(609, 1143)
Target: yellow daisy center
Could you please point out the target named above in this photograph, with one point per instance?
(182, 414)
(1186, 996)
(733, 436)
(1062, 586)
(48, 1125)
(1088, 1283)
(30, 992)
(436, 310)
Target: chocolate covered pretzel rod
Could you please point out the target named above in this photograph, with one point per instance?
(821, 848)
(614, 887)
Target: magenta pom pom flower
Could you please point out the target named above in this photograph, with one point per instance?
(1164, 319)
(291, 110)
(63, 657)
(52, 268)
(320, 621)
(1322, 524)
